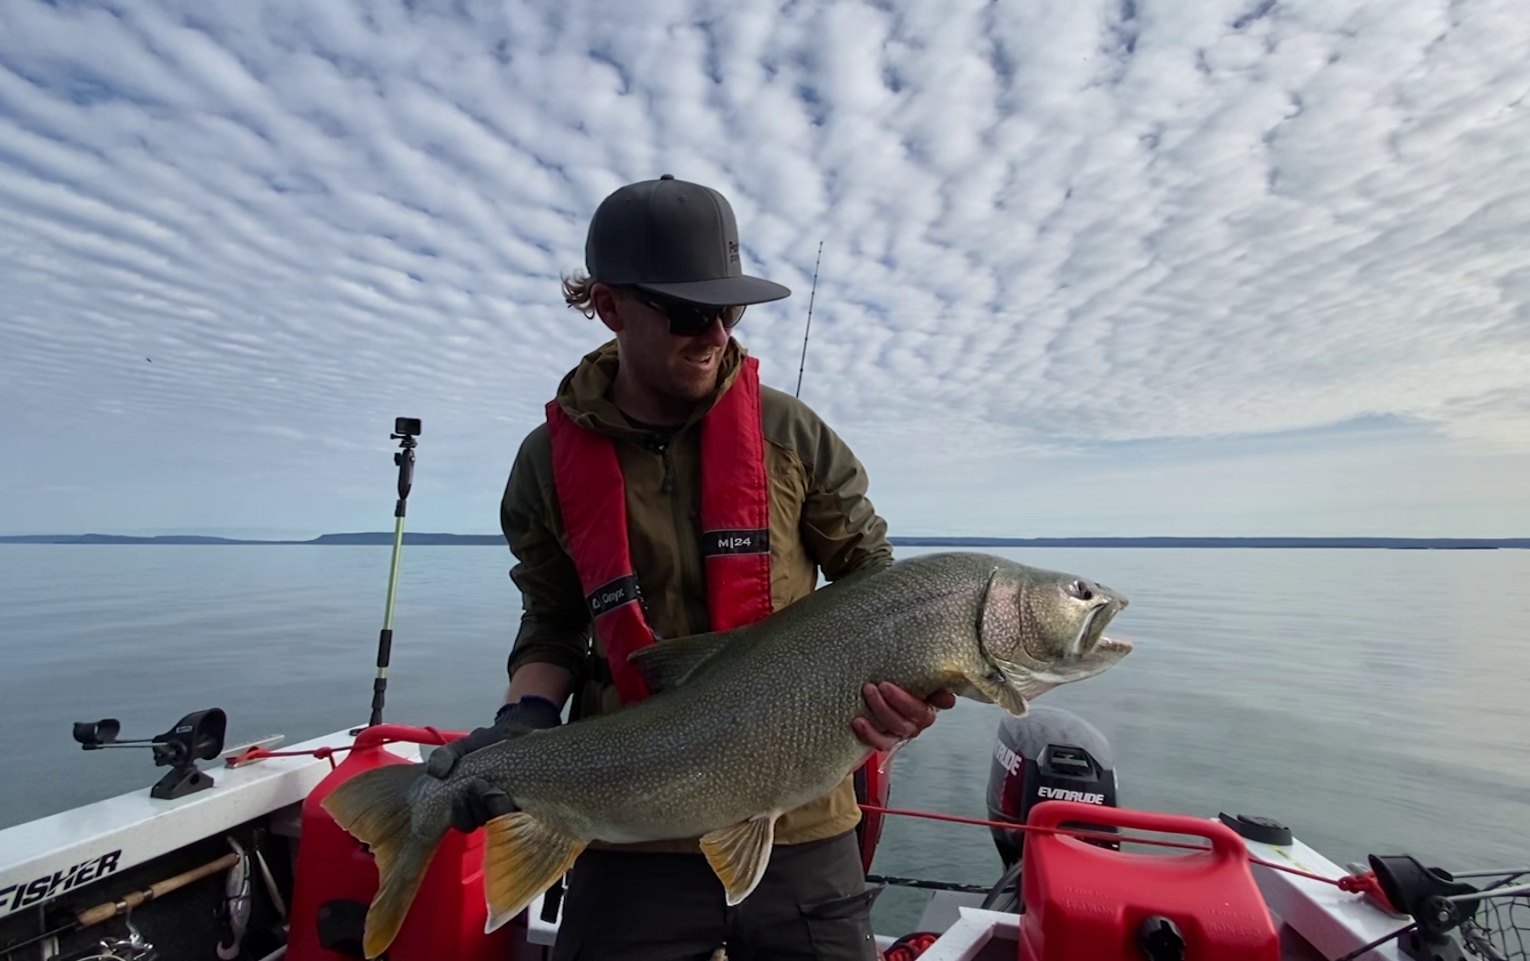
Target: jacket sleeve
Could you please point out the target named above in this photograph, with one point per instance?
(842, 530)
(555, 624)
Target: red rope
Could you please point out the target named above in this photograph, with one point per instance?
(260, 754)
(409, 736)
(1367, 884)
(1011, 826)
(1354, 883)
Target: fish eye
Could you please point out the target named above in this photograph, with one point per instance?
(1080, 590)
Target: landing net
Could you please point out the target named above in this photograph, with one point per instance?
(1499, 930)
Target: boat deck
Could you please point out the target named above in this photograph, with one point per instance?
(76, 854)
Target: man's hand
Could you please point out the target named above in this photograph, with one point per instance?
(479, 803)
(898, 715)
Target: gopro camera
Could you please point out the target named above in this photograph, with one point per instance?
(406, 426)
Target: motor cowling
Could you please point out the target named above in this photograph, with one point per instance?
(1049, 754)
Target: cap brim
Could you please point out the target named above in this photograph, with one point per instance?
(722, 292)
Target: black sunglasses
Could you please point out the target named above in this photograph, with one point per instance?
(685, 318)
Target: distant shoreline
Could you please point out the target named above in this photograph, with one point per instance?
(385, 538)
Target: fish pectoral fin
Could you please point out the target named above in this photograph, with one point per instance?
(739, 853)
(974, 693)
(1001, 692)
(522, 857)
(670, 663)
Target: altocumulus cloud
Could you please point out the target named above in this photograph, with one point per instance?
(1072, 250)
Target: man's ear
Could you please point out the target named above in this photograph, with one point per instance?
(603, 297)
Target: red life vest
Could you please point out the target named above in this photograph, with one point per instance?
(735, 524)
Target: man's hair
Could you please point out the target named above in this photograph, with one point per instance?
(576, 292)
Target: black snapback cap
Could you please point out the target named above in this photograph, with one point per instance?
(676, 239)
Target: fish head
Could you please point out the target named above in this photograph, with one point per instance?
(1039, 629)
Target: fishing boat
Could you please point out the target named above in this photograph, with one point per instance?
(229, 855)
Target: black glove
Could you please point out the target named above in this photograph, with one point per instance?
(479, 801)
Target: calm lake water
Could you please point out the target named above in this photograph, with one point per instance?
(1375, 701)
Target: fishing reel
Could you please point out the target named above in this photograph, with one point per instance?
(134, 947)
(196, 737)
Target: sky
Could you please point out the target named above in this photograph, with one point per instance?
(1202, 267)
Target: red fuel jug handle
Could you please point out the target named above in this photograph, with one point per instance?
(378, 733)
(1225, 842)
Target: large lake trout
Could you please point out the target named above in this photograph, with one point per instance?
(742, 726)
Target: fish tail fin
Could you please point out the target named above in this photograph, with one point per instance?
(374, 806)
(522, 857)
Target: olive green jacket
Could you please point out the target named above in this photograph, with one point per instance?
(820, 520)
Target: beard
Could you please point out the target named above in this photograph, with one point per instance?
(685, 379)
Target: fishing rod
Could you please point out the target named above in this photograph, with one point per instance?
(405, 430)
(107, 910)
(809, 329)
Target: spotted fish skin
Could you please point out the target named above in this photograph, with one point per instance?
(747, 724)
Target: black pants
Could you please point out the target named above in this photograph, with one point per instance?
(812, 904)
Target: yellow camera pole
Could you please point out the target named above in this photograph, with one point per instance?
(405, 430)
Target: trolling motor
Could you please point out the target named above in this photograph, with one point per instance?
(405, 430)
(196, 737)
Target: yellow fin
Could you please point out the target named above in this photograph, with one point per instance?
(739, 853)
(522, 857)
(374, 806)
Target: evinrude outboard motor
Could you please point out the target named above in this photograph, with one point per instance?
(1050, 753)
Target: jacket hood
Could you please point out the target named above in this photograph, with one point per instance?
(584, 392)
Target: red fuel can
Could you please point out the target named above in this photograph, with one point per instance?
(336, 878)
(1083, 901)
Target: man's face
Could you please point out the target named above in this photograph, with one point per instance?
(682, 367)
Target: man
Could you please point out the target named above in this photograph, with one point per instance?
(670, 493)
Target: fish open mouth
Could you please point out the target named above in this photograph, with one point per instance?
(1106, 652)
(1091, 634)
